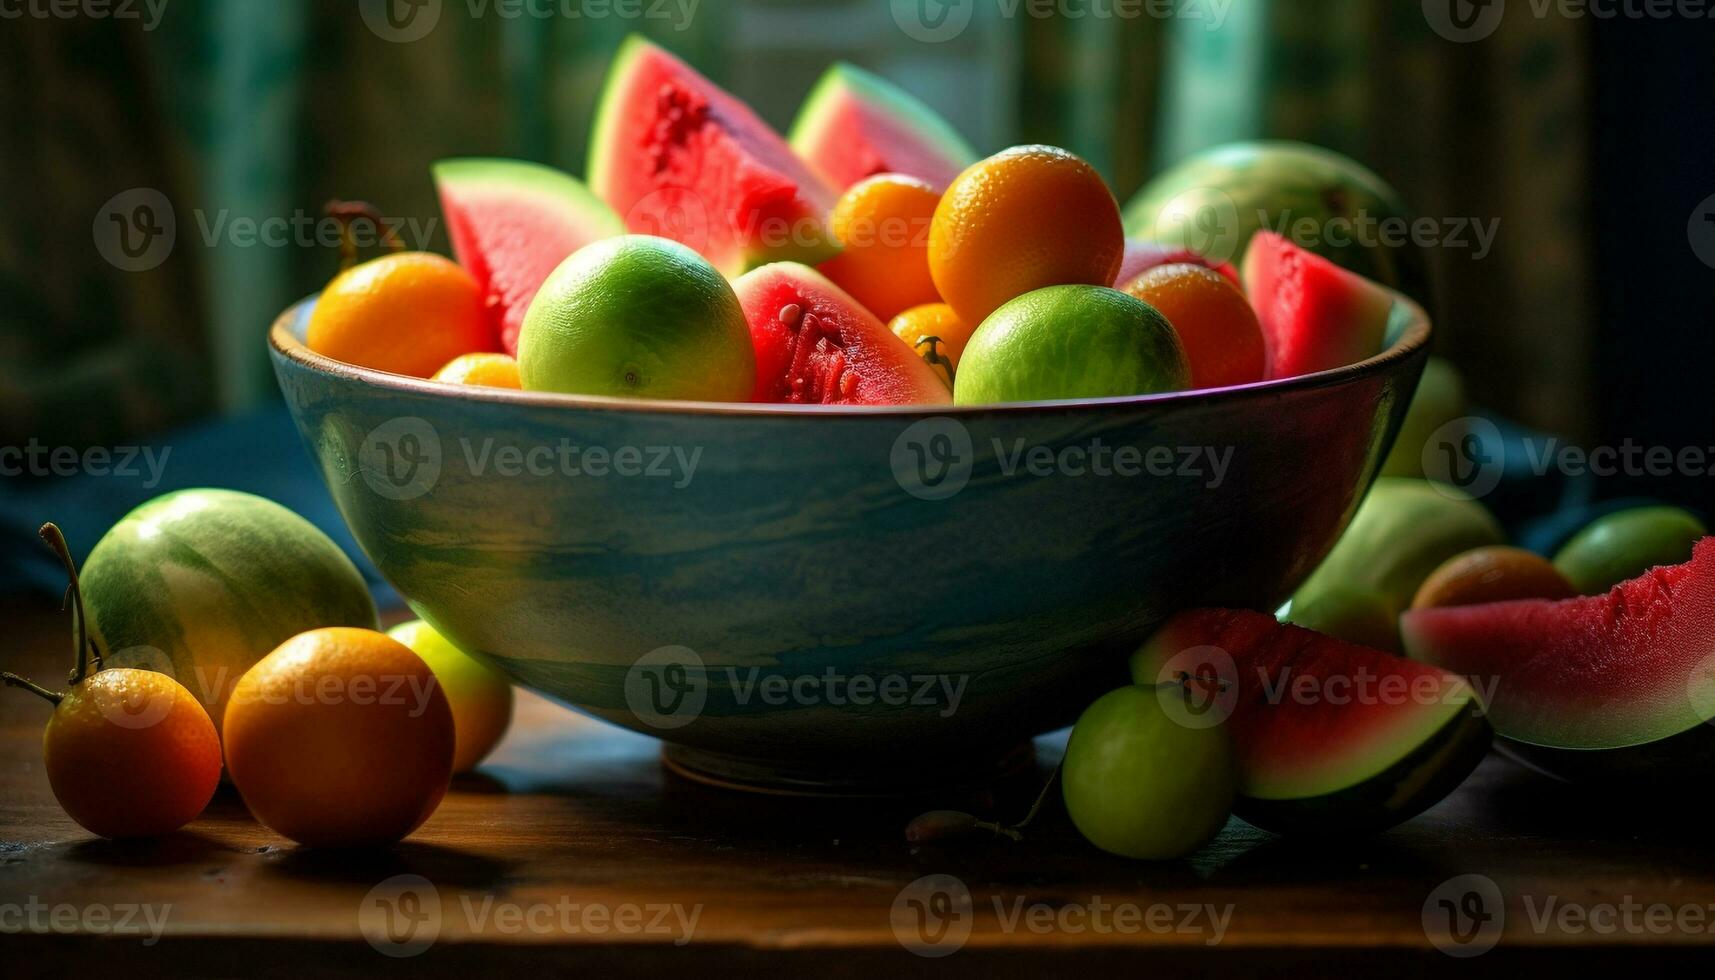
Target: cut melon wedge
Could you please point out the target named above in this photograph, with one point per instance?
(677, 157)
(1629, 668)
(1315, 315)
(512, 223)
(855, 124)
(1330, 736)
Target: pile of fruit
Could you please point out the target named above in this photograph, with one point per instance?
(215, 625)
(869, 259)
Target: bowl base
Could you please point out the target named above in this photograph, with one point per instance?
(887, 778)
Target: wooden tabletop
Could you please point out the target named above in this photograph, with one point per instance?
(574, 849)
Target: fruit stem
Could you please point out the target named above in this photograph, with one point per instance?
(348, 213)
(13, 680)
(80, 628)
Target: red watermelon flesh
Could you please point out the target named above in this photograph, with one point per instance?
(1141, 256)
(675, 156)
(512, 223)
(1315, 315)
(816, 345)
(855, 125)
(1312, 715)
(1600, 672)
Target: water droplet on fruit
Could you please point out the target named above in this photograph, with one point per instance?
(790, 313)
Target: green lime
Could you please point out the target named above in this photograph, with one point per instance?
(480, 696)
(1067, 342)
(638, 317)
(1140, 784)
(1625, 544)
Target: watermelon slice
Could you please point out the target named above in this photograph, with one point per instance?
(1630, 668)
(675, 156)
(512, 223)
(816, 345)
(855, 125)
(1315, 315)
(1141, 256)
(1331, 737)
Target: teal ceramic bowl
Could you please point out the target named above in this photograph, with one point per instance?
(839, 599)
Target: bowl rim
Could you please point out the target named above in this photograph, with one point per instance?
(284, 345)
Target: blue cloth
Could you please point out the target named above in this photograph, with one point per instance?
(258, 453)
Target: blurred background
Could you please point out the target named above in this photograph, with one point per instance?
(1587, 138)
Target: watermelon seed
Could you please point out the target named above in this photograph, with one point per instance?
(790, 313)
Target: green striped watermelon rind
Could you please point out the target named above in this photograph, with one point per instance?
(846, 84)
(1626, 669)
(215, 580)
(1349, 779)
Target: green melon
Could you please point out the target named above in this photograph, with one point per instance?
(204, 583)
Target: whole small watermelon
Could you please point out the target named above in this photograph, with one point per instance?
(204, 583)
(1214, 201)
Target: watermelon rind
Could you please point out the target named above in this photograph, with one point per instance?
(842, 79)
(557, 189)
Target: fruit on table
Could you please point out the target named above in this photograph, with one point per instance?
(340, 738)
(1214, 321)
(480, 696)
(676, 156)
(128, 752)
(408, 313)
(882, 224)
(204, 583)
(1068, 342)
(1216, 200)
(1139, 783)
(1026, 218)
(855, 124)
(1493, 574)
(1618, 687)
(1314, 314)
(1330, 737)
(937, 334)
(485, 370)
(1625, 544)
(637, 317)
(1402, 532)
(1438, 402)
(511, 223)
(816, 345)
(1141, 256)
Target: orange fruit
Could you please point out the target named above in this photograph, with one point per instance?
(486, 370)
(1215, 322)
(936, 333)
(883, 225)
(131, 753)
(408, 313)
(1025, 218)
(340, 737)
(1492, 574)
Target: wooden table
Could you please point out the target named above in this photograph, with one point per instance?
(574, 850)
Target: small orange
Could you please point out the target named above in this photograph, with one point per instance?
(486, 370)
(408, 313)
(341, 737)
(1025, 218)
(1492, 574)
(883, 224)
(1215, 322)
(936, 333)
